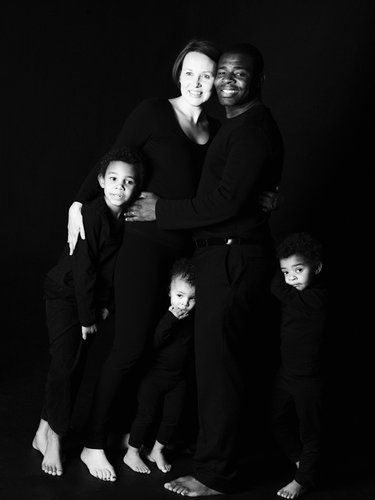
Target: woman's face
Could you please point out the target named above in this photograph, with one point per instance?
(197, 78)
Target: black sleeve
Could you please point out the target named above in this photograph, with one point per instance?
(247, 148)
(313, 298)
(164, 329)
(84, 266)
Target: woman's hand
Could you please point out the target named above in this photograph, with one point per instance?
(75, 225)
(143, 209)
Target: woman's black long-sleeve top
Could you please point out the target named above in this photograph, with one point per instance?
(172, 161)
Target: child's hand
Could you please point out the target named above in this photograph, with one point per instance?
(87, 330)
(178, 312)
(104, 313)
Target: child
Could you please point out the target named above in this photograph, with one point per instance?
(298, 388)
(164, 383)
(78, 292)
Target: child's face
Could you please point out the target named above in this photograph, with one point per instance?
(119, 183)
(297, 272)
(182, 294)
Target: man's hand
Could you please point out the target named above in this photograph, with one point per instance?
(143, 209)
(270, 200)
(178, 312)
(87, 330)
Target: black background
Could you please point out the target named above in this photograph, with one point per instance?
(74, 70)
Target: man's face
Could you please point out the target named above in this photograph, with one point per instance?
(234, 80)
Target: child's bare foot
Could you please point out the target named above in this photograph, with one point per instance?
(97, 464)
(133, 460)
(40, 439)
(156, 455)
(190, 487)
(292, 490)
(49, 444)
(160, 461)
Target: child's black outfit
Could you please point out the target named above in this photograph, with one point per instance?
(163, 386)
(299, 382)
(75, 290)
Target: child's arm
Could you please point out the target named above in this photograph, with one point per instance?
(85, 261)
(165, 328)
(311, 298)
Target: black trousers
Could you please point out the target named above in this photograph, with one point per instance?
(157, 392)
(68, 358)
(141, 295)
(296, 420)
(231, 294)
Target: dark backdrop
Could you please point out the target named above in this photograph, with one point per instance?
(74, 70)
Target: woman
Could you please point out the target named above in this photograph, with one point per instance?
(172, 135)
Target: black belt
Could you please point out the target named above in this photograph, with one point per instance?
(206, 242)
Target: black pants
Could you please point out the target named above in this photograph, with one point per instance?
(232, 287)
(296, 420)
(68, 357)
(157, 391)
(141, 295)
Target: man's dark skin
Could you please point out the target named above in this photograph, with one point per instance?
(238, 89)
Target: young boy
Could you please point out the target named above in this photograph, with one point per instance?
(78, 292)
(298, 388)
(164, 383)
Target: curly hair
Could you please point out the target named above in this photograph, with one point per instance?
(184, 269)
(125, 155)
(302, 244)
(205, 47)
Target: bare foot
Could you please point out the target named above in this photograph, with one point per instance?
(40, 439)
(133, 460)
(190, 487)
(156, 455)
(49, 444)
(292, 490)
(97, 464)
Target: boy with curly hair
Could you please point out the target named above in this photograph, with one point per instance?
(299, 382)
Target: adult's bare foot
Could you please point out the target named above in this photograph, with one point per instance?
(97, 464)
(292, 490)
(133, 460)
(190, 487)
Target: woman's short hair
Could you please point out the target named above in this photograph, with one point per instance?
(205, 47)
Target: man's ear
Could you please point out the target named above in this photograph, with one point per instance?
(318, 268)
(101, 180)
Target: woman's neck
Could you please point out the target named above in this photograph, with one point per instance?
(191, 113)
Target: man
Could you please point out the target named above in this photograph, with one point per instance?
(233, 262)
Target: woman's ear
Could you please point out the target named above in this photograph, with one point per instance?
(318, 268)
(101, 180)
